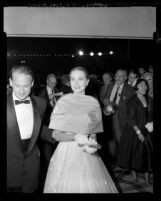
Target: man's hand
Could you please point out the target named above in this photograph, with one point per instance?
(141, 137)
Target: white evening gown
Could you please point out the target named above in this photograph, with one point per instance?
(72, 170)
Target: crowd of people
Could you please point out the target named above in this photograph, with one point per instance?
(79, 133)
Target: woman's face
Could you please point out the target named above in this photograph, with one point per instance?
(142, 88)
(131, 77)
(78, 81)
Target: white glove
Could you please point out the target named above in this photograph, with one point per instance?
(89, 149)
(93, 136)
(149, 126)
(81, 139)
(92, 141)
(87, 143)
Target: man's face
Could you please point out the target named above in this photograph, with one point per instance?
(149, 78)
(131, 77)
(21, 85)
(141, 71)
(106, 78)
(51, 82)
(120, 77)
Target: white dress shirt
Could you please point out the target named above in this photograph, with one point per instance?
(25, 118)
(50, 92)
(134, 83)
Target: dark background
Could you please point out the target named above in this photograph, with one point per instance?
(54, 55)
(46, 55)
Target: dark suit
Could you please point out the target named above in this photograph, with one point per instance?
(66, 89)
(102, 93)
(23, 166)
(119, 119)
(43, 93)
(46, 146)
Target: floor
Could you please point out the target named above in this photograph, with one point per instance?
(126, 185)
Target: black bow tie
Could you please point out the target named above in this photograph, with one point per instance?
(17, 102)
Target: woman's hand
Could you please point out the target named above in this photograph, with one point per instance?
(89, 149)
(81, 139)
(138, 133)
(93, 136)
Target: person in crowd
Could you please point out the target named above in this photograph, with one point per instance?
(132, 78)
(66, 88)
(117, 95)
(149, 78)
(39, 83)
(107, 79)
(75, 166)
(24, 117)
(135, 148)
(151, 69)
(93, 86)
(107, 137)
(9, 88)
(48, 93)
(141, 72)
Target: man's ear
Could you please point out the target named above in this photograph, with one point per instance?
(10, 82)
(87, 82)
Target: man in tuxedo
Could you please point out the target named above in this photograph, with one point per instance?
(24, 117)
(119, 93)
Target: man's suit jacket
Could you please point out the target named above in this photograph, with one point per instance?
(127, 92)
(49, 108)
(102, 93)
(23, 168)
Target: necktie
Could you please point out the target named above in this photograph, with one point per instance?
(17, 102)
(115, 97)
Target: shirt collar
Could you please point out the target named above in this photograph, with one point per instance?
(121, 86)
(15, 98)
(49, 89)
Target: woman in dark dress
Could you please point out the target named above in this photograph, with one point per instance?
(135, 149)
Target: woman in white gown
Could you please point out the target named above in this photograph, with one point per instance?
(75, 166)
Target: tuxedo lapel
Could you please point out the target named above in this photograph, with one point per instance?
(12, 125)
(36, 128)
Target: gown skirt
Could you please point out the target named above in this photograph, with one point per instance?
(72, 170)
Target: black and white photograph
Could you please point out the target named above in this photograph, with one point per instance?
(79, 88)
